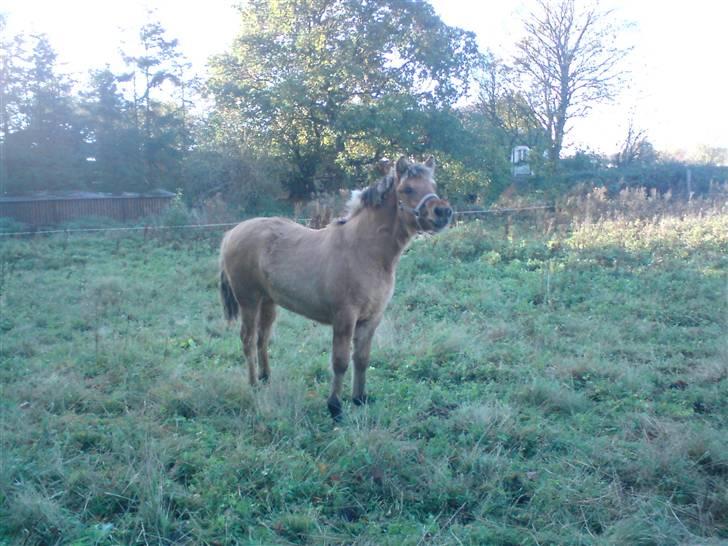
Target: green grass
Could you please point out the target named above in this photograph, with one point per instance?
(534, 389)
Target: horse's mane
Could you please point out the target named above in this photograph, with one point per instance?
(374, 195)
(370, 197)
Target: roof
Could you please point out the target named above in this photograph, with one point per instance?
(80, 195)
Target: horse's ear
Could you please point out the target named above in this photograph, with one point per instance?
(383, 166)
(430, 163)
(402, 166)
(383, 186)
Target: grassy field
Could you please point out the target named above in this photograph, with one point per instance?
(548, 387)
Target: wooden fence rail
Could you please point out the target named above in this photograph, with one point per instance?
(53, 210)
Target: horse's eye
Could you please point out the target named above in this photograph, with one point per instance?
(408, 190)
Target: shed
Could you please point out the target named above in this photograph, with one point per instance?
(519, 161)
(52, 208)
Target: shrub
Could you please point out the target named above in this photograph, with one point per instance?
(10, 225)
(178, 214)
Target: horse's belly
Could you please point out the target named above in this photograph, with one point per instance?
(313, 310)
(299, 292)
(318, 282)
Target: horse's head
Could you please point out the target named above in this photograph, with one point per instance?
(411, 189)
(418, 203)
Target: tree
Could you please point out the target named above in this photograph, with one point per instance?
(156, 72)
(503, 118)
(14, 66)
(112, 135)
(712, 155)
(506, 109)
(636, 148)
(568, 61)
(43, 142)
(303, 78)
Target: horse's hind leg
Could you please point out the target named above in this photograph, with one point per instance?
(249, 335)
(266, 319)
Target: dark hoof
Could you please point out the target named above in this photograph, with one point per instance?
(264, 379)
(335, 410)
(366, 399)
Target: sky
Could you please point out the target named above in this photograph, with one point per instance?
(676, 90)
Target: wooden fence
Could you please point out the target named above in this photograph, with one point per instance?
(51, 210)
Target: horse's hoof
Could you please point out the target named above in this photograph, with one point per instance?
(360, 401)
(335, 410)
(264, 378)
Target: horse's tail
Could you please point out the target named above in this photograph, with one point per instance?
(229, 303)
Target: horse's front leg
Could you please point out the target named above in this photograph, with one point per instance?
(363, 336)
(340, 355)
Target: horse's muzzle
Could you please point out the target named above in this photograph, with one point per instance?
(442, 216)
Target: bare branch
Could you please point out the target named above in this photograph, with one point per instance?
(568, 62)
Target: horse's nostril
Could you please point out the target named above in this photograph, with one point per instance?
(443, 212)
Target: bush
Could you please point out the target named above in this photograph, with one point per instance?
(662, 177)
(10, 225)
(177, 214)
(245, 183)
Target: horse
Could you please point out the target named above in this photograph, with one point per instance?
(342, 275)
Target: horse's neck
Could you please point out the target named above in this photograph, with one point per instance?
(383, 233)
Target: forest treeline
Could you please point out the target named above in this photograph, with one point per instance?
(310, 95)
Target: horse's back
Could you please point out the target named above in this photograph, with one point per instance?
(255, 233)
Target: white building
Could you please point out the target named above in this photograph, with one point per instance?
(519, 161)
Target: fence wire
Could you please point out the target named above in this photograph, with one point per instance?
(230, 224)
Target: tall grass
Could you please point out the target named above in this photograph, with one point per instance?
(556, 384)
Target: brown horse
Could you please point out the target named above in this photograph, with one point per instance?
(341, 275)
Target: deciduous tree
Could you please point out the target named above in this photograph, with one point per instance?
(303, 77)
(636, 148)
(568, 61)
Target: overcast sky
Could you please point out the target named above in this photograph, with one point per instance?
(676, 91)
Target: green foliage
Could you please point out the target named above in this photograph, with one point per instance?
(662, 178)
(310, 95)
(546, 385)
(123, 133)
(160, 124)
(224, 169)
(502, 118)
(307, 81)
(42, 141)
(177, 214)
(8, 225)
(115, 144)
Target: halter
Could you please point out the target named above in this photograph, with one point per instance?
(417, 211)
